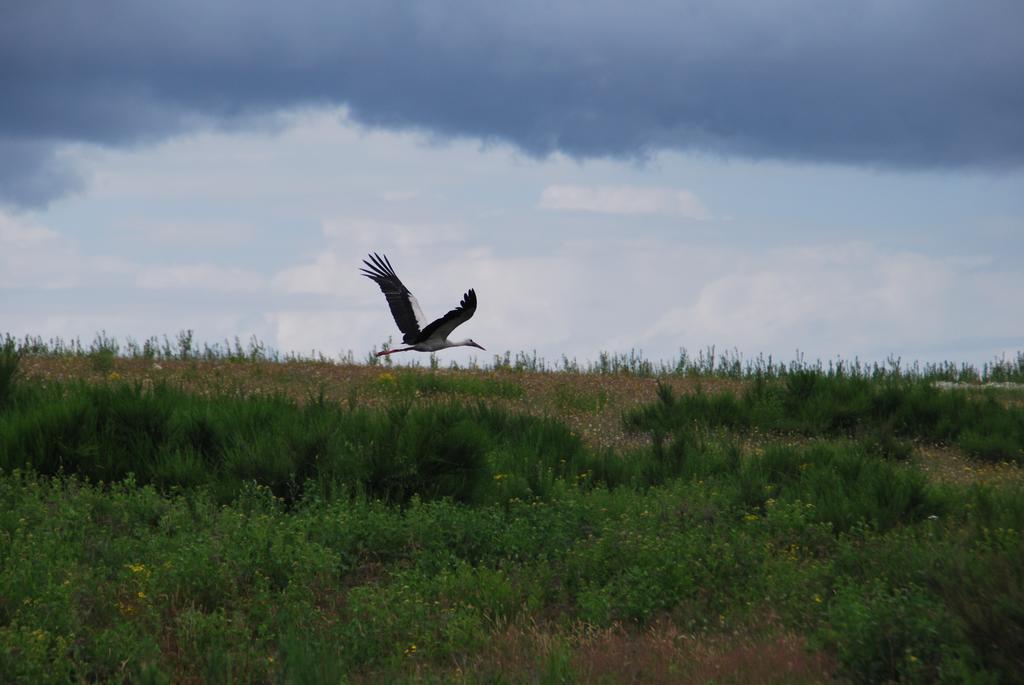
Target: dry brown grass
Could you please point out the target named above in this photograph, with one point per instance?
(661, 654)
(664, 654)
(947, 464)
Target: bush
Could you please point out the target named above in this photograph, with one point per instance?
(884, 634)
(172, 439)
(885, 414)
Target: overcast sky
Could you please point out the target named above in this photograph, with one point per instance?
(845, 179)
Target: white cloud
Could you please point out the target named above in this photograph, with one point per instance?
(524, 302)
(335, 269)
(186, 233)
(35, 256)
(201, 276)
(330, 331)
(376, 235)
(325, 275)
(623, 200)
(395, 195)
(16, 232)
(846, 300)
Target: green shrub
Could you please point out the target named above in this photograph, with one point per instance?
(172, 439)
(884, 634)
(884, 413)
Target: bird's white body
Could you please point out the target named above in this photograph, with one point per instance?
(416, 332)
(433, 345)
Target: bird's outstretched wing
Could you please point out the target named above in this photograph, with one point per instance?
(404, 306)
(442, 328)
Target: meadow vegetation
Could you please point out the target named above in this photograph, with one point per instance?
(884, 412)
(424, 526)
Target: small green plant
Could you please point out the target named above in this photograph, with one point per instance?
(103, 352)
(102, 360)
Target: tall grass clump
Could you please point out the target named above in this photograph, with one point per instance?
(10, 358)
(1005, 370)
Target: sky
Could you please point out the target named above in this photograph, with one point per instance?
(834, 180)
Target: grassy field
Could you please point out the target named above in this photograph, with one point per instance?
(174, 517)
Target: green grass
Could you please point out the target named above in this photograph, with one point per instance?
(148, 534)
(880, 412)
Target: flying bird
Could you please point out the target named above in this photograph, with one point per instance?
(416, 332)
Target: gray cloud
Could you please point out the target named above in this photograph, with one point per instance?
(914, 84)
(32, 175)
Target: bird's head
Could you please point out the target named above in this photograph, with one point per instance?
(470, 343)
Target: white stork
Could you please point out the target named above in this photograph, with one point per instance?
(421, 336)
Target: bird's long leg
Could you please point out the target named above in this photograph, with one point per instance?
(400, 349)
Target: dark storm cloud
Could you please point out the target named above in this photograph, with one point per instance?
(909, 84)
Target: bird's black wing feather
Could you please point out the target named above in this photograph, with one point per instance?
(442, 328)
(404, 306)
